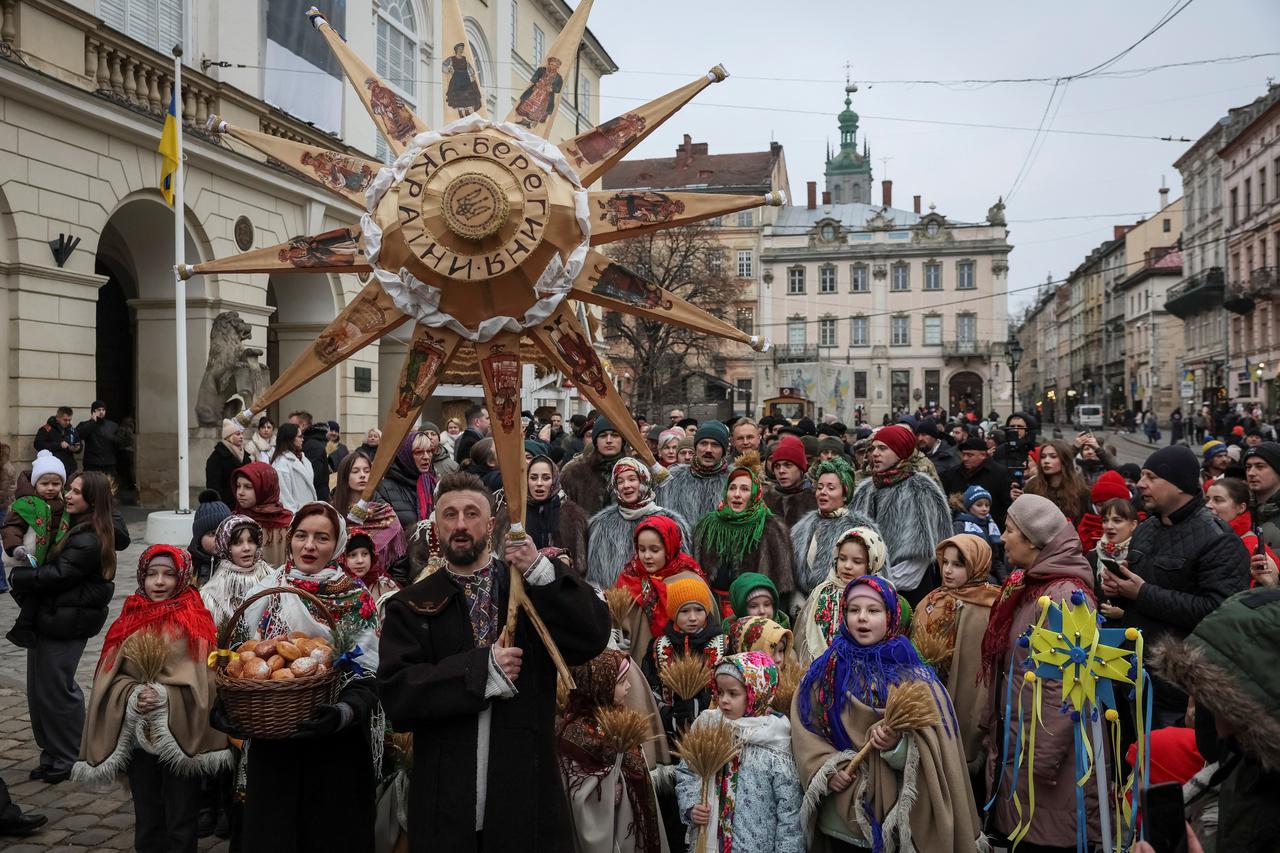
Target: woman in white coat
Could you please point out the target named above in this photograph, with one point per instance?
(297, 484)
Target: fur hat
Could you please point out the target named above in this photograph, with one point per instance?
(1109, 485)
(689, 591)
(898, 438)
(713, 430)
(1178, 465)
(46, 463)
(1037, 517)
(789, 449)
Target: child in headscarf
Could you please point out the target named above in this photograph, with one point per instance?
(754, 802)
(611, 531)
(813, 537)
(360, 562)
(742, 534)
(753, 594)
(611, 798)
(237, 568)
(759, 634)
(257, 490)
(656, 561)
(913, 788)
(692, 629)
(947, 630)
(153, 727)
(859, 551)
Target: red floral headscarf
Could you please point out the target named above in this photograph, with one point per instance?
(650, 590)
(268, 511)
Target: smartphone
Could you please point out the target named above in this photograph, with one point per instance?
(1113, 566)
(1162, 815)
(1260, 545)
(1017, 477)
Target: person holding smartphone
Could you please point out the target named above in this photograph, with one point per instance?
(1228, 499)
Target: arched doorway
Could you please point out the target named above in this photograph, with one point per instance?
(134, 343)
(304, 304)
(964, 393)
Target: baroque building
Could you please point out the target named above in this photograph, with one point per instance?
(84, 85)
(875, 309)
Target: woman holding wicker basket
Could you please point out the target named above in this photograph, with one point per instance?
(325, 766)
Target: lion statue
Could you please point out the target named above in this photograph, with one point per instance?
(233, 378)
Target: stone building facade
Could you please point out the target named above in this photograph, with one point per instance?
(83, 87)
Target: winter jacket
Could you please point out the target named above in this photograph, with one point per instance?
(101, 441)
(441, 462)
(791, 506)
(69, 594)
(315, 442)
(50, 437)
(586, 480)
(462, 445)
(913, 517)
(944, 458)
(1220, 665)
(218, 469)
(15, 529)
(1267, 516)
(259, 448)
(401, 492)
(1189, 567)
(992, 476)
(297, 483)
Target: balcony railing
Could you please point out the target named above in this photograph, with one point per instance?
(1200, 292)
(138, 78)
(966, 349)
(1241, 295)
(794, 352)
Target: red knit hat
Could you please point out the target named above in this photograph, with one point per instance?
(1109, 485)
(900, 439)
(789, 449)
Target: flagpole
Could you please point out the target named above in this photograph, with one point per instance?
(180, 296)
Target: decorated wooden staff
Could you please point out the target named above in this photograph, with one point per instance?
(482, 240)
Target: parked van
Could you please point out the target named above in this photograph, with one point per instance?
(1087, 417)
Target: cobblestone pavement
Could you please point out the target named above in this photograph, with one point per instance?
(77, 820)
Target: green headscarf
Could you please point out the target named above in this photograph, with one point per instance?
(740, 591)
(842, 469)
(732, 534)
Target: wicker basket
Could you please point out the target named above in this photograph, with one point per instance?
(272, 709)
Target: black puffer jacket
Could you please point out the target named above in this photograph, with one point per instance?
(401, 491)
(1188, 567)
(69, 594)
(314, 441)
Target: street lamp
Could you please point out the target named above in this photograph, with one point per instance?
(1013, 354)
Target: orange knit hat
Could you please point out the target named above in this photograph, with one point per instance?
(689, 591)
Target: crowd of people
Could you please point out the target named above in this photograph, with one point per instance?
(809, 567)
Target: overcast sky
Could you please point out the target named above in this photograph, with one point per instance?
(787, 65)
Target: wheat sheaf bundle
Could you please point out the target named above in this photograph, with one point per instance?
(935, 651)
(148, 650)
(705, 749)
(687, 675)
(910, 707)
(789, 675)
(624, 729)
(620, 603)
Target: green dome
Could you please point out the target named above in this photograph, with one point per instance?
(847, 160)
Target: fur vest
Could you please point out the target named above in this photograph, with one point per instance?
(790, 507)
(689, 496)
(586, 480)
(610, 543)
(771, 557)
(913, 517)
(813, 543)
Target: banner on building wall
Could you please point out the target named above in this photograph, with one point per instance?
(829, 386)
(302, 77)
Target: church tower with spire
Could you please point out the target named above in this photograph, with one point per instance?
(848, 173)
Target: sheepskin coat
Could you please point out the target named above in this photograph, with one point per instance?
(611, 542)
(813, 544)
(913, 517)
(588, 480)
(690, 495)
(771, 557)
(790, 507)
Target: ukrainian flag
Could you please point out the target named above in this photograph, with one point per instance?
(169, 151)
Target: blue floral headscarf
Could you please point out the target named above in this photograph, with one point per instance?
(865, 673)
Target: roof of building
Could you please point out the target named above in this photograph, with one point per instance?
(694, 168)
(851, 215)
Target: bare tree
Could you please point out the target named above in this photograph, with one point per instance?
(689, 262)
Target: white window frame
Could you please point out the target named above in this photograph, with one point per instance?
(827, 332)
(802, 336)
(827, 278)
(795, 281)
(932, 323)
(393, 77)
(160, 36)
(969, 319)
(859, 331)
(745, 263)
(859, 278)
(965, 275)
(933, 276)
(904, 285)
(539, 46)
(900, 330)
(746, 219)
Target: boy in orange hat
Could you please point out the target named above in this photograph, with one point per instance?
(692, 630)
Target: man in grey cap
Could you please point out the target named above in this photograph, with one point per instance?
(1183, 562)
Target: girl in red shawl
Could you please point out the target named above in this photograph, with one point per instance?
(257, 490)
(658, 560)
(152, 725)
